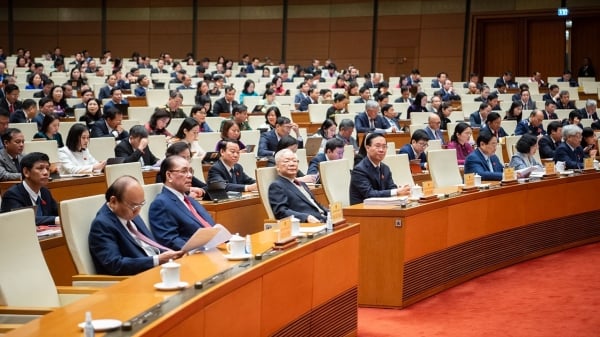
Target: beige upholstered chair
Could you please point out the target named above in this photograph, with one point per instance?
(48, 147)
(248, 162)
(112, 172)
(27, 129)
(400, 167)
(443, 167)
(335, 177)
(264, 177)
(102, 148)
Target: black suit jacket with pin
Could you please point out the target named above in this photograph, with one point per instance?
(17, 197)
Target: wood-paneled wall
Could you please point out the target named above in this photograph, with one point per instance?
(424, 34)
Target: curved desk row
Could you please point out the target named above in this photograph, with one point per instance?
(309, 290)
(408, 254)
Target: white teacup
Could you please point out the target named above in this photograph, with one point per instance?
(170, 274)
(416, 191)
(560, 166)
(236, 246)
(477, 179)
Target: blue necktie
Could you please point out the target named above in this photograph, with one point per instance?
(490, 166)
(38, 208)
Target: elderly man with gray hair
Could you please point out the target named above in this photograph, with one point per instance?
(370, 120)
(570, 151)
(589, 111)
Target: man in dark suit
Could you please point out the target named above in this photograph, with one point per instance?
(564, 101)
(228, 170)
(312, 98)
(477, 118)
(10, 156)
(48, 85)
(552, 94)
(370, 120)
(365, 95)
(404, 96)
(289, 196)
(570, 151)
(11, 102)
(589, 111)
(532, 125)
(110, 125)
(115, 243)
(483, 161)
(433, 130)
(35, 170)
(371, 178)
(135, 148)
(105, 92)
(549, 107)
(267, 144)
(334, 149)
(506, 80)
(439, 81)
(116, 97)
(548, 143)
(416, 148)
(27, 112)
(225, 104)
(174, 216)
(142, 88)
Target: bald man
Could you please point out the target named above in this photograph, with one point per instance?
(120, 242)
(433, 128)
(532, 125)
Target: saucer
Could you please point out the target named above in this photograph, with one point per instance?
(103, 324)
(237, 257)
(162, 286)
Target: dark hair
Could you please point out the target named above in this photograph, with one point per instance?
(8, 134)
(112, 91)
(187, 124)
(484, 137)
(369, 138)
(73, 137)
(548, 102)
(222, 144)
(166, 165)
(282, 120)
(333, 144)
(272, 108)
(553, 126)
(227, 124)
(346, 123)
(339, 98)
(587, 132)
(138, 131)
(176, 148)
(419, 135)
(247, 85)
(525, 143)
(327, 123)
(286, 142)
(48, 119)
(28, 103)
(385, 108)
(239, 108)
(118, 187)
(492, 116)
(418, 98)
(10, 88)
(30, 159)
(460, 128)
(158, 114)
(98, 113)
(574, 114)
(111, 113)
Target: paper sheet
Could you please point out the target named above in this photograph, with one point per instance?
(207, 238)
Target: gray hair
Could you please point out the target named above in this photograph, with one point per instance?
(371, 104)
(590, 103)
(570, 130)
(282, 153)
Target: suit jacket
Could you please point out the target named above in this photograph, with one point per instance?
(573, 158)
(360, 101)
(547, 146)
(361, 123)
(172, 222)
(570, 105)
(501, 132)
(104, 92)
(221, 105)
(304, 103)
(140, 92)
(286, 199)
(549, 115)
(17, 197)
(524, 127)
(100, 129)
(407, 148)
(435, 83)
(438, 134)
(18, 116)
(529, 106)
(4, 104)
(476, 163)
(313, 166)
(403, 100)
(125, 150)
(8, 170)
(366, 181)
(218, 172)
(582, 114)
(113, 250)
(475, 119)
(267, 144)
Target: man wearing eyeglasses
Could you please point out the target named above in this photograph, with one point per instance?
(174, 216)
(371, 178)
(119, 241)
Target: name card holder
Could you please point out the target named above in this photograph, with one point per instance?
(550, 170)
(428, 195)
(337, 215)
(588, 165)
(469, 186)
(508, 176)
(285, 239)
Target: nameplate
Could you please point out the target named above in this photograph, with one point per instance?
(285, 229)
(469, 180)
(588, 163)
(550, 168)
(508, 174)
(337, 214)
(427, 188)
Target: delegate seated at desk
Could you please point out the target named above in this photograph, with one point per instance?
(183, 149)
(371, 177)
(416, 149)
(551, 140)
(35, 169)
(174, 216)
(135, 148)
(75, 157)
(115, 245)
(110, 125)
(483, 160)
(227, 169)
(267, 144)
(12, 153)
(288, 196)
(570, 151)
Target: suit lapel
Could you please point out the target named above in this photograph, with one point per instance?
(182, 208)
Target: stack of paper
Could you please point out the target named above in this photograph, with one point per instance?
(386, 201)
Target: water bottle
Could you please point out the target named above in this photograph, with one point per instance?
(329, 222)
(88, 328)
(248, 244)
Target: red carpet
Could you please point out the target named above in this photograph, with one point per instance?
(555, 295)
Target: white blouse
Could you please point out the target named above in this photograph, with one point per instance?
(75, 162)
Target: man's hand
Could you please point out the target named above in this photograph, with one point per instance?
(312, 219)
(143, 144)
(169, 255)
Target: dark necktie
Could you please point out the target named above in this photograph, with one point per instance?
(11, 108)
(203, 222)
(371, 124)
(233, 178)
(17, 166)
(144, 238)
(38, 208)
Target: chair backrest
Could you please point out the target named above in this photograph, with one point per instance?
(251, 137)
(302, 161)
(175, 123)
(64, 127)
(150, 193)
(158, 145)
(264, 177)
(127, 124)
(511, 141)
(400, 167)
(48, 147)
(509, 126)
(196, 164)
(248, 162)
(208, 140)
(102, 148)
(76, 218)
(25, 280)
(335, 177)
(415, 127)
(112, 172)
(27, 129)
(214, 123)
(140, 113)
(443, 167)
(434, 144)
(349, 155)
(157, 98)
(317, 112)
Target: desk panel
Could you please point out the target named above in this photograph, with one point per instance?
(447, 242)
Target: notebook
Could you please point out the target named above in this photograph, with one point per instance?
(210, 158)
(216, 191)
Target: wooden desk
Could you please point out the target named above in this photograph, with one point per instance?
(412, 253)
(58, 259)
(309, 290)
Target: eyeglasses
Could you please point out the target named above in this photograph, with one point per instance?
(290, 161)
(187, 170)
(380, 146)
(135, 207)
(422, 144)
